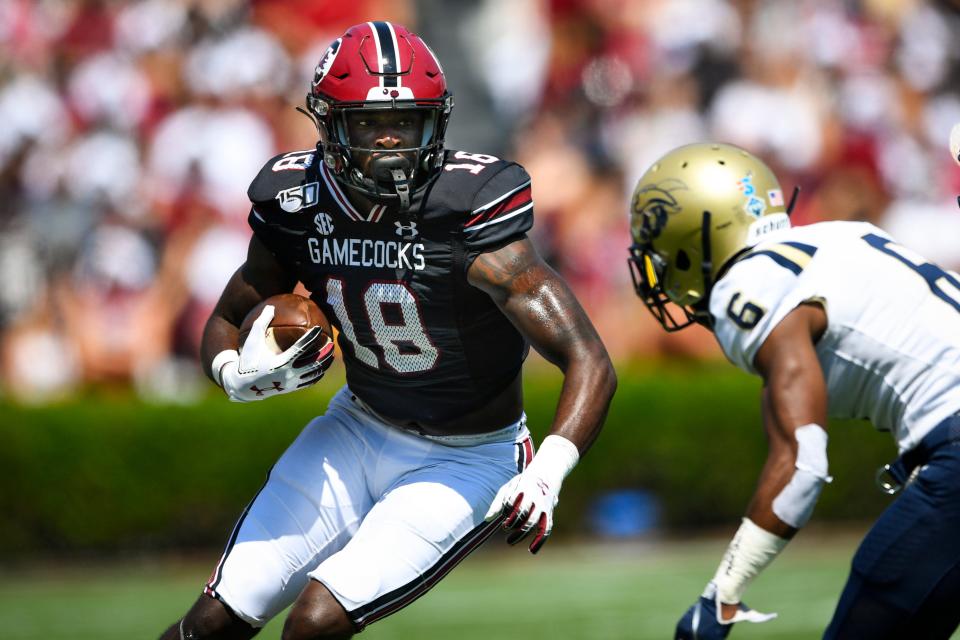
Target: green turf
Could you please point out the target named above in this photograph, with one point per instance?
(589, 592)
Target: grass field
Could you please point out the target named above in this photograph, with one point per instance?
(582, 592)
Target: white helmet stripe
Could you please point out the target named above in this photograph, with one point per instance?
(376, 41)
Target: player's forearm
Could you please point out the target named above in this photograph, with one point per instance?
(588, 388)
(568, 340)
(776, 474)
(794, 405)
(786, 494)
(219, 335)
(761, 536)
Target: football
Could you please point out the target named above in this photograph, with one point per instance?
(293, 316)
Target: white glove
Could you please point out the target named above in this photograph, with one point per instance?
(528, 499)
(257, 372)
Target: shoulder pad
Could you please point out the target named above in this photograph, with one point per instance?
(510, 179)
(750, 301)
(466, 178)
(495, 201)
(282, 172)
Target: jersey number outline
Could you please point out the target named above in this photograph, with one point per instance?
(746, 315)
(404, 346)
(482, 158)
(933, 275)
(294, 161)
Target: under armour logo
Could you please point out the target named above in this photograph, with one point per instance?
(405, 231)
(276, 387)
(324, 224)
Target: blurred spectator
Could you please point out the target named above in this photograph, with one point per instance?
(119, 316)
(212, 148)
(37, 358)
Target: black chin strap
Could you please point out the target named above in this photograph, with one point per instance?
(701, 310)
(706, 265)
(793, 199)
(402, 185)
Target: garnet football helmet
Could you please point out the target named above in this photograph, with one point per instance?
(380, 65)
(694, 211)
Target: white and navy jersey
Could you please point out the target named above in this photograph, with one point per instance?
(419, 343)
(891, 352)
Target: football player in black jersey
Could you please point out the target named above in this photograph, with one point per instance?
(419, 257)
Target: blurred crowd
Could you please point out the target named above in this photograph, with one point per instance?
(129, 132)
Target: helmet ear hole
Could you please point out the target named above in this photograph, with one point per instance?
(682, 261)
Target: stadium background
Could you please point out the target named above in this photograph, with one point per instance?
(130, 130)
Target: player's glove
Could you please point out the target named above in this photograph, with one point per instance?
(257, 372)
(702, 620)
(528, 499)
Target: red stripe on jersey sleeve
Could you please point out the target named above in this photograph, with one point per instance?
(519, 199)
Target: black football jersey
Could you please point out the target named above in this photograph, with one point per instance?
(419, 342)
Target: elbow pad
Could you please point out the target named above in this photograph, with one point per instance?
(794, 504)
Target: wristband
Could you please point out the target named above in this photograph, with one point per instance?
(555, 458)
(749, 553)
(219, 361)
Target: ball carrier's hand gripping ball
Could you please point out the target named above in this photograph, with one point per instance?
(293, 316)
(285, 345)
(376, 66)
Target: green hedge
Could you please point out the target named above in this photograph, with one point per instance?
(108, 472)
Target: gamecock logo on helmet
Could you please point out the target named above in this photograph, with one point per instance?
(323, 67)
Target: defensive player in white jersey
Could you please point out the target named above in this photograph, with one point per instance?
(837, 319)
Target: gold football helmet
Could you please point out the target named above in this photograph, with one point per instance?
(695, 210)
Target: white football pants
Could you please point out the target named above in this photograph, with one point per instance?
(376, 514)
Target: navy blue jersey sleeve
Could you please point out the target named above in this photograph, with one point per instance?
(502, 211)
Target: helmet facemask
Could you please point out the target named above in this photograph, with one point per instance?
(650, 270)
(391, 173)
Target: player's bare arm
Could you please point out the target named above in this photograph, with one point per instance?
(546, 313)
(260, 277)
(542, 307)
(794, 395)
